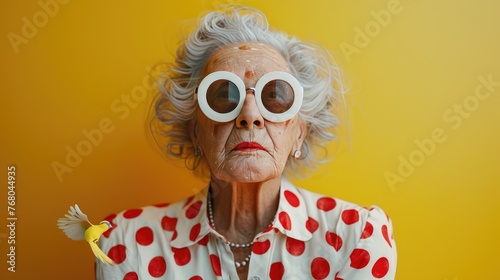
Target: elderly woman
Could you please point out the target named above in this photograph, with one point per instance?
(251, 105)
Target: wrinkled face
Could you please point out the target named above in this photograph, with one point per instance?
(248, 148)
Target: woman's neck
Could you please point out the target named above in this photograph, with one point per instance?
(241, 210)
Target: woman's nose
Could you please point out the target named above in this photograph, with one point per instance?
(250, 115)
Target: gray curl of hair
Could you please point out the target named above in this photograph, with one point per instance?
(175, 106)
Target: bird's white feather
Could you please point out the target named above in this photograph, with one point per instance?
(75, 223)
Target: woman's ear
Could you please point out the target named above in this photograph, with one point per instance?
(301, 136)
(302, 133)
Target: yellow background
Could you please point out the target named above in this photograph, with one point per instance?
(405, 77)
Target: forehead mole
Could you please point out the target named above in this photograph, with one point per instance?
(249, 74)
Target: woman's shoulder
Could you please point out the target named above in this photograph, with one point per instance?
(142, 232)
(361, 237)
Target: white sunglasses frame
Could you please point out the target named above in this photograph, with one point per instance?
(298, 91)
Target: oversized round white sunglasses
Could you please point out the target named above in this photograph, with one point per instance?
(278, 96)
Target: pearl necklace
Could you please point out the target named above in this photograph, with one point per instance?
(234, 245)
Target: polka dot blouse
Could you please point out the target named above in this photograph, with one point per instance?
(312, 237)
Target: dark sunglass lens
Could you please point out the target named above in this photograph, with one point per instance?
(277, 96)
(223, 96)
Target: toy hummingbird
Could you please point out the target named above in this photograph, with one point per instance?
(77, 227)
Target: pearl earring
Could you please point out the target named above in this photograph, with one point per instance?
(197, 152)
(297, 154)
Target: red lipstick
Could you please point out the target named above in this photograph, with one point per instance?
(245, 146)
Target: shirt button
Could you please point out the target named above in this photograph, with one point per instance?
(256, 278)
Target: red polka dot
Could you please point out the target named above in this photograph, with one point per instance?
(174, 236)
(144, 236)
(161, 205)
(168, 223)
(385, 233)
(295, 247)
(193, 210)
(108, 232)
(333, 240)
(337, 277)
(285, 220)
(359, 258)
(261, 247)
(380, 268)
(131, 276)
(291, 198)
(118, 253)
(157, 267)
(110, 219)
(204, 240)
(214, 260)
(182, 256)
(196, 277)
(195, 231)
(311, 225)
(320, 268)
(368, 231)
(132, 213)
(350, 216)
(277, 270)
(326, 203)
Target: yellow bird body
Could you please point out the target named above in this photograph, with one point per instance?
(77, 227)
(93, 233)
